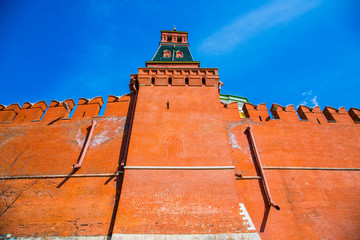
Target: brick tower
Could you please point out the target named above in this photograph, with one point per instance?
(178, 176)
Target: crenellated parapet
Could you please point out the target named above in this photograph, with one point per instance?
(30, 112)
(313, 115)
(288, 114)
(355, 114)
(58, 109)
(337, 115)
(61, 110)
(8, 113)
(257, 113)
(231, 112)
(178, 77)
(117, 105)
(88, 108)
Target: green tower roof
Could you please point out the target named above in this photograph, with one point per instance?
(186, 55)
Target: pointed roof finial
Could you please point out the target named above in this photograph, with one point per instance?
(174, 28)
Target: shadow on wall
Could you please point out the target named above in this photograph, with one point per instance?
(261, 185)
(122, 158)
(9, 194)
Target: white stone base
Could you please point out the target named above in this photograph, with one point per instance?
(57, 238)
(229, 236)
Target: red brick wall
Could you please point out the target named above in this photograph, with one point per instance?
(196, 130)
(60, 206)
(315, 204)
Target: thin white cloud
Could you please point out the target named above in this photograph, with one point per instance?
(307, 93)
(246, 26)
(310, 100)
(304, 102)
(314, 101)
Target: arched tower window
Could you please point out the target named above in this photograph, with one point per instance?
(152, 81)
(170, 81)
(166, 54)
(187, 81)
(175, 149)
(203, 81)
(179, 54)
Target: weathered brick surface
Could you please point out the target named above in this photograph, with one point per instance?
(196, 130)
(59, 206)
(81, 206)
(178, 202)
(190, 133)
(315, 204)
(54, 149)
(302, 144)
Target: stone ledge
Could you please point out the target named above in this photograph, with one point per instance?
(226, 236)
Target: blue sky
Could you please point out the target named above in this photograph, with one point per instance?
(278, 51)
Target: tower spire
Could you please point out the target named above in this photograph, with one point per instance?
(173, 51)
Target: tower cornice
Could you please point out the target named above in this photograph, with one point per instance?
(159, 76)
(172, 31)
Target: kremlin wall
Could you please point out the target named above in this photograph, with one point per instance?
(170, 160)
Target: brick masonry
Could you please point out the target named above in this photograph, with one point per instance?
(181, 124)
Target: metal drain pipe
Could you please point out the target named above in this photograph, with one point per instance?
(261, 170)
(78, 164)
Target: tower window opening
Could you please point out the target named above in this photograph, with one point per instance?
(152, 81)
(166, 54)
(170, 81)
(203, 81)
(179, 39)
(169, 38)
(167, 105)
(179, 54)
(187, 81)
(260, 118)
